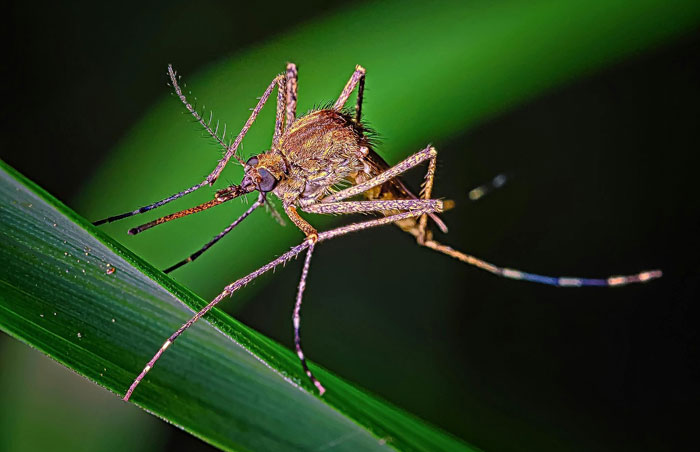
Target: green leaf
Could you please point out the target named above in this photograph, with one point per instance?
(72, 292)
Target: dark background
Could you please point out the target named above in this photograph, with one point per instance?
(601, 181)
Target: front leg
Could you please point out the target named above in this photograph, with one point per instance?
(357, 79)
(310, 231)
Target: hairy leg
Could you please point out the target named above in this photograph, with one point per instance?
(428, 153)
(233, 287)
(345, 207)
(357, 77)
(426, 192)
(291, 95)
(281, 112)
(296, 320)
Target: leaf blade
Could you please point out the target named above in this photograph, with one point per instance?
(235, 390)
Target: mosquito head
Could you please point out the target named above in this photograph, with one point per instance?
(263, 172)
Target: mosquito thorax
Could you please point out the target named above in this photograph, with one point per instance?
(322, 148)
(321, 133)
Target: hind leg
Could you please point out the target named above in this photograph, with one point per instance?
(357, 79)
(291, 94)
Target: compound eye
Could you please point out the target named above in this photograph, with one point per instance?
(252, 161)
(267, 180)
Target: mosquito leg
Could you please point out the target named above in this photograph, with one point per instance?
(423, 238)
(233, 287)
(426, 192)
(280, 116)
(561, 281)
(291, 94)
(229, 228)
(296, 320)
(342, 230)
(228, 290)
(401, 167)
(301, 223)
(345, 207)
(428, 153)
(357, 77)
(360, 98)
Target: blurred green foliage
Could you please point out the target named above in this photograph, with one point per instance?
(433, 71)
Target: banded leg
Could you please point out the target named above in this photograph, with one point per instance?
(357, 77)
(230, 150)
(296, 320)
(233, 287)
(151, 206)
(424, 239)
(229, 228)
(560, 281)
(291, 94)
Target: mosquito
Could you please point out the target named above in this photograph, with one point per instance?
(310, 160)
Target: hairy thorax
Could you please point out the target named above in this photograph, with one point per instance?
(322, 150)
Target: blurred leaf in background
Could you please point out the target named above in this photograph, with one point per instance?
(48, 414)
(433, 72)
(586, 185)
